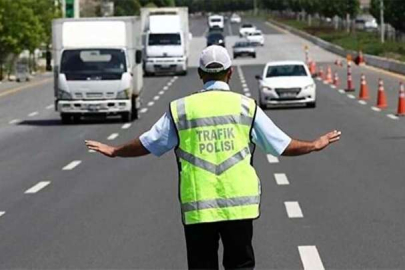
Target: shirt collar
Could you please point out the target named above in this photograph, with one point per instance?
(215, 85)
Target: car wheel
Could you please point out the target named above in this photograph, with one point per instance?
(311, 104)
(254, 55)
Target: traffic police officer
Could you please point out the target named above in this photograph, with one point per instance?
(213, 133)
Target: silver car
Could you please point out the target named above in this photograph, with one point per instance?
(244, 48)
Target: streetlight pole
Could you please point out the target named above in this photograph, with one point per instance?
(382, 25)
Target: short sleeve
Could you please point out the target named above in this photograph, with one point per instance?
(162, 137)
(265, 134)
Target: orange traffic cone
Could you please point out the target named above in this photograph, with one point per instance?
(320, 75)
(329, 75)
(360, 59)
(401, 100)
(363, 88)
(381, 97)
(312, 68)
(336, 80)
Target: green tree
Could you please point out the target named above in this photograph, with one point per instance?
(126, 7)
(393, 12)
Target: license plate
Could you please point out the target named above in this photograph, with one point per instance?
(288, 95)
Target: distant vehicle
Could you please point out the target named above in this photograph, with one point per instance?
(235, 18)
(215, 38)
(256, 37)
(243, 48)
(366, 22)
(246, 28)
(166, 40)
(286, 83)
(98, 67)
(22, 72)
(216, 22)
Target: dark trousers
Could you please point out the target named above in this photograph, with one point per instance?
(202, 242)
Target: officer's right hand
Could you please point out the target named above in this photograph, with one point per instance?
(104, 149)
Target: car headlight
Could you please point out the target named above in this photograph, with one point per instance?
(64, 95)
(269, 89)
(309, 86)
(124, 94)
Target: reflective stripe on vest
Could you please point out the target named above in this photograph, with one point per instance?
(217, 180)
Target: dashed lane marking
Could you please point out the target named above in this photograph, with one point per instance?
(91, 151)
(161, 92)
(14, 121)
(126, 126)
(293, 210)
(281, 179)
(272, 159)
(342, 91)
(156, 98)
(37, 187)
(244, 85)
(169, 84)
(351, 96)
(248, 94)
(151, 103)
(49, 107)
(32, 114)
(310, 258)
(246, 90)
(144, 110)
(376, 109)
(394, 117)
(165, 88)
(2, 213)
(319, 79)
(362, 102)
(71, 165)
(113, 136)
(333, 86)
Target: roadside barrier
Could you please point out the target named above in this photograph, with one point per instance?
(401, 100)
(364, 95)
(381, 97)
(350, 87)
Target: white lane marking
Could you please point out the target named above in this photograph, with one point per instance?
(32, 114)
(333, 86)
(246, 90)
(150, 103)
(376, 109)
(325, 82)
(392, 116)
(310, 258)
(319, 79)
(169, 84)
(175, 77)
(126, 126)
(165, 88)
(2, 213)
(113, 136)
(242, 80)
(272, 159)
(156, 98)
(248, 94)
(244, 85)
(161, 92)
(37, 187)
(293, 210)
(91, 151)
(14, 121)
(281, 179)
(342, 91)
(351, 96)
(362, 102)
(144, 110)
(71, 165)
(51, 106)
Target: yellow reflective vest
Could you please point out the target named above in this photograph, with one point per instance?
(217, 179)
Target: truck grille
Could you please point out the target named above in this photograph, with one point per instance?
(94, 95)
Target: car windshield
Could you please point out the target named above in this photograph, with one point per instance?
(286, 71)
(100, 64)
(164, 39)
(243, 45)
(247, 26)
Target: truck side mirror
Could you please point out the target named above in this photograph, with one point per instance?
(138, 56)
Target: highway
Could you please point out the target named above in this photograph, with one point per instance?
(62, 207)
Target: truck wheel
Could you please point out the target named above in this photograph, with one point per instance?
(126, 117)
(66, 118)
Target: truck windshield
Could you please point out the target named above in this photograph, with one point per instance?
(93, 64)
(164, 39)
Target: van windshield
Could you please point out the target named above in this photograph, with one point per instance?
(93, 64)
(164, 39)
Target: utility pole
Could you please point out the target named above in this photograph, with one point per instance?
(382, 25)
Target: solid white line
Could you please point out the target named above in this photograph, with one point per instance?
(144, 110)
(150, 103)
(351, 96)
(14, 121)
(281, 179)
(32, 114)
(293, 210)
(272, 159)
(113, 136)
(376, 109)
(37, 187)
(161, 92)
(72, 165)
(49, 107)
(2, 213)
(248, 94)
(342, 91)
(392, 116)
(126, 126)
(362, 102)
(156, 98)
(310, 258)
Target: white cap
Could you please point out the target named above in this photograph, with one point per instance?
(215, 54)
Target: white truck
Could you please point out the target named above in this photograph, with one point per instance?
(216, 22)
(166, 40)
(97, 67)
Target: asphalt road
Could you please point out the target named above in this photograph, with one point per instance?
(100, 213)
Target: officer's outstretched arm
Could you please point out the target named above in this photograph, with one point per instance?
(131, 149)
(297, 148)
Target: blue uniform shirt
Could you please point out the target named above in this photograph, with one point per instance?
(162, 137)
